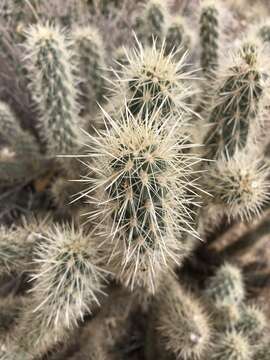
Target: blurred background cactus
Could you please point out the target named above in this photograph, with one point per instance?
(134, 178)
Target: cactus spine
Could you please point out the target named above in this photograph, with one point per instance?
(232, 346)
(252, 323)
(237, 103)
(152, 81)
(53, 85)
(239, 186)
(141, 178)
(67, 283)
(181, 323)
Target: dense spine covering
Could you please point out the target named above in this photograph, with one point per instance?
(53, 84)
(91, 55)
(152, 81)
(141, 197)
(252, 323)
(16, 248)
(240, 186)
(181, 322)
(151, 25)
(209, 35)
(66, 284)
(232, 346)
(237, 102)
(226, 287)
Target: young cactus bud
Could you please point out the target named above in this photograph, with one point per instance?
(181, 322)
(50, 63)
(151, 81)
(177, 37)
(232, 346)
(237, 103)
(152, 24)
(91, 55)
(209, 34)
(67, 282)
(141, 197)
(239, 185)
(252, 323)
(226, 287)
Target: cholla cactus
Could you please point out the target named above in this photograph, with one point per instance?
(12, 133)
(252, 323)
(264, 33)
(232, 346)
(226, 287)
(50, 63)
(263, 351)
(91, 54)
(152, 81)
(181, 322)
(209, 33)
(20, 157)
(141, 197)
(16, 246)
(240, 186)
(9, 311)
(178, 37)
(152, 23)
(238, 99)
(67, 282)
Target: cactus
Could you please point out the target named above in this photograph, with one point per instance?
(181, 322)
(263, 351)
(12, 133)
(67, 283)
(16, 247)
(152, 81)
(264, 33)
(232, 346)
(209, 35)
(91, 55)
(152, 23)
(226, 287)
(177, 37)
(241, 187)
(20, 157)
(141, 180)
(9, 311)
(252, 323)
(50, 63)
(138, 184)
(237, 103)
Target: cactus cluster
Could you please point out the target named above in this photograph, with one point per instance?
(239, 327)
(127, 160)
